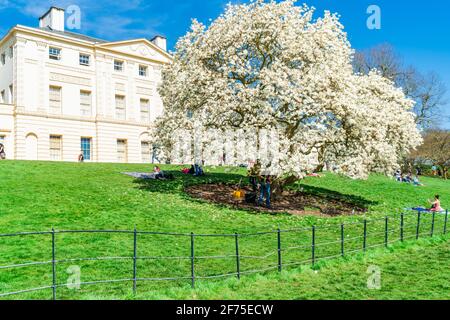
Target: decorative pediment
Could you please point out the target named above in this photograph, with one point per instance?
(140, 48)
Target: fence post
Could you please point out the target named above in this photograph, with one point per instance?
(445, 223)
(238, 265)
(342, 240)
(386, 232)
(433, 221)
(192, 261)
(418, 225)
(402, 227)
(135, 261)
(280, 263)
(313, 247)
(53, 264)
(365, 235)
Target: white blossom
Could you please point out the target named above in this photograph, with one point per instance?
(268, 71)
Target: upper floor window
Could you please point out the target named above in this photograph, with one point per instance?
(85, 103)
(3, 97)
(11, 51)
(84, 59)
(54, 53)
(143, 70)
(3, 58)
(145, 110)
(121, 113)
(55, 105)
(118, 65)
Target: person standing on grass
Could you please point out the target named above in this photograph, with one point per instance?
(265, 192)
(436, 204)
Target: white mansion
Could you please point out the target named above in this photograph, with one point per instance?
(63, 94)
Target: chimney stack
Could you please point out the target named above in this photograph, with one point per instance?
(161, 42)
(53, 18)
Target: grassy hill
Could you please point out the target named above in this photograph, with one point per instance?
(38, 196)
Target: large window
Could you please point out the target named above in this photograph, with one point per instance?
(55, 148)
(145, 110)
(118, 65)
(86, 149)
(55, 105)
(54, 53)
(146, 152)
(85, 103)
(122, 151)
(84, 59)
(121, 112)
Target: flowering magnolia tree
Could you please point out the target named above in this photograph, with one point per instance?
(270, 67)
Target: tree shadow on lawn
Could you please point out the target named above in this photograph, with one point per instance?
(335, 195)
(182, 181)
(217, 188)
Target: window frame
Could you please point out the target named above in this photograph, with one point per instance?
(125, 153)
(52, 56)
(147, 120)
(124, 99)
(143, 70)
(85, 55)
(50, 99)
(90, 148)
(60, 153)
(120, 63)
(89, 113)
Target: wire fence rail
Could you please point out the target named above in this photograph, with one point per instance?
(318, 243)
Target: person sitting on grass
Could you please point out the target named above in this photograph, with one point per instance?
(436, 204)
(417, 182)
(198, 170)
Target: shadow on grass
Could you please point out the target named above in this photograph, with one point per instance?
(335, 195)
(181, 182)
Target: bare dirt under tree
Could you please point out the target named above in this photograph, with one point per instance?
(292, 202)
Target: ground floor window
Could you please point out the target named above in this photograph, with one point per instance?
(86, 148)
(122, 151)
(2, 139)
(55, 148)
(145, 152)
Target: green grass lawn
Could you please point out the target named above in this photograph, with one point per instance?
(38, 196)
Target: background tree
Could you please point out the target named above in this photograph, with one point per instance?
(428, 91)
(435, 148)
(269, 66)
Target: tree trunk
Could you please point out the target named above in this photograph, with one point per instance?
(279, 184)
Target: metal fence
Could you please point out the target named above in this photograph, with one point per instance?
(287, 248)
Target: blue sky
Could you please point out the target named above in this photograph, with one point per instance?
(419, 30)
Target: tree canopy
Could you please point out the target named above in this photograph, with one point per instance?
(271, 67)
